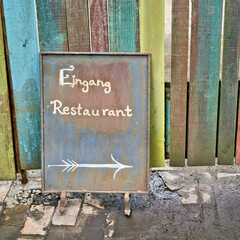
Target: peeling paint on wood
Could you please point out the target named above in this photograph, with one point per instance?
(204, 81)
(22, 39)
(52, 25)
(123, 25)
(179, 56)
(229, 84)
(152, 40)
(99, 25)
(78, 26)
(7, 162)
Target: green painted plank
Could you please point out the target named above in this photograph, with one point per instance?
(22, 40)
(179, 69)
(99, 25)
(229, 84)
(52, 25)
(7, 162)
(78, 26)
(152, 40)
(123, 25)
(204, 81)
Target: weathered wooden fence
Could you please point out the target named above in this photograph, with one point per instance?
(201, 115)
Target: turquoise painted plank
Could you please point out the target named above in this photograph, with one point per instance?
(22, 39)
(204, 81)
(52, 25)
(167, 120)
(123, 25)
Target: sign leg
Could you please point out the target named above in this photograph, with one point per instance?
(127, 210)
(62, 202)
(24, 176)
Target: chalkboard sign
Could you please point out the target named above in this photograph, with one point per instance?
(95, 122)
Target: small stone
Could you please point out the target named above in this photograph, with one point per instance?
(69, 195)
(25, 194)
(49, 197)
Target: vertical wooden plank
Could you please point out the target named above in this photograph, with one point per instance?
(7, 162)
(99, 25)
(52, 25)
(78, 26)
(22, 39)
(229, 84)
(179, 69)
(123, 25)
(167, 120)
(152, 40)
(204, 80)
(238, 128)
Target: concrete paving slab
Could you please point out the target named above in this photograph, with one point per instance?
(38, 220)
(30, 237)
(9, 232)
(62, 232)
(34, 173)
(33, 183)
(69, 216)
(189, 195)
(205, 193)
(4, 189)
(76, 232)
(15, 216)
(88, 210)
(228, 175)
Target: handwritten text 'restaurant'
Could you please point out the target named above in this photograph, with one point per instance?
(58, 108)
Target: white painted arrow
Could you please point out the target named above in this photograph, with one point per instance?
(71, 165)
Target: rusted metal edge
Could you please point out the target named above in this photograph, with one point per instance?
(11, 99)
(148, 55)
(98, 53)
(90, 191)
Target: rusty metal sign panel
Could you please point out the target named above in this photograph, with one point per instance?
(95, 122)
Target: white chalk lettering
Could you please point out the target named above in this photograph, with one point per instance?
(65, 79)
(55, 107)
(62, 77)
(81, 111)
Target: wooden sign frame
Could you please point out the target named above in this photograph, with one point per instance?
(71, 164)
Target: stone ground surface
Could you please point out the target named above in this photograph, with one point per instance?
(183, 203)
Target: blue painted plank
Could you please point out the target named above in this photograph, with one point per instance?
(22, 39)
